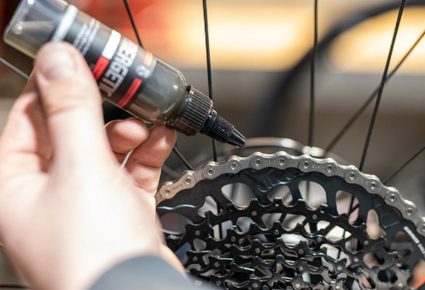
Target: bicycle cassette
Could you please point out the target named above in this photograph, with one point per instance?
(277, 221)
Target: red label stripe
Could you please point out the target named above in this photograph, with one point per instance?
(100, 67)
(130, 93)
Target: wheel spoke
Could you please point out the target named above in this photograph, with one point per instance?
(381, 87)
(133, 22)
(404, 165)
(209, 71)
(372, 96)
(210, 87)
(353, 209)
(13, 68)
(182, 159)
(311, 119)
(311, 122)
(379, 96)
(176, 151)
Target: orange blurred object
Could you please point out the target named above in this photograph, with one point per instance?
(148, 14)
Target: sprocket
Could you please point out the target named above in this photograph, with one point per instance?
(246, 223)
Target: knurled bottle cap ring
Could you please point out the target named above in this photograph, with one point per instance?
(195, 113)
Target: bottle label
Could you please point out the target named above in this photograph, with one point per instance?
(120, 67)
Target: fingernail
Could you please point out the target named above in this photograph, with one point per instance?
(56, 61)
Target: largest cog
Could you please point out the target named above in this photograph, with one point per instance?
(277, 221)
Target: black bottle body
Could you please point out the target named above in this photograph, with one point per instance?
(127, 75)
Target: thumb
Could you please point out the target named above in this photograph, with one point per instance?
(72, 104)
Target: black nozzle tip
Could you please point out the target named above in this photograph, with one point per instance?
(222, 130)
(236, 138)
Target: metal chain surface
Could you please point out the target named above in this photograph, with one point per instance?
(275, 239)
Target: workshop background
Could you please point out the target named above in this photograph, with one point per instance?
(261, 82)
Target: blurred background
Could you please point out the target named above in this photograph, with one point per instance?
(261, 66)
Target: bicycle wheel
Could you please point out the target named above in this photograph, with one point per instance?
(246, 223)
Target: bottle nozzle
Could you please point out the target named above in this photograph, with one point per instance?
(222, 130)
(237, 138)
(198, 116)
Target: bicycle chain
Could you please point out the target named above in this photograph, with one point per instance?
(263, 256)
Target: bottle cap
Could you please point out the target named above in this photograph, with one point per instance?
(195, 113)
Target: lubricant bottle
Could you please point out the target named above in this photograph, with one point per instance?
(127, 75)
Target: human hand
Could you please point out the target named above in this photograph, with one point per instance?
(67, 211)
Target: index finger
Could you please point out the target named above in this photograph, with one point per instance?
(146, 161)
